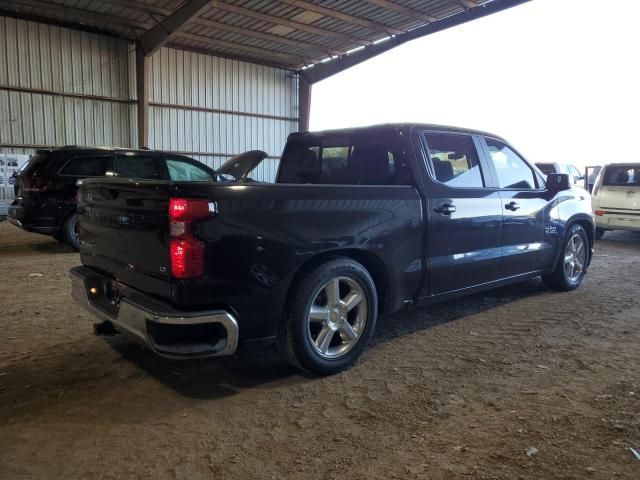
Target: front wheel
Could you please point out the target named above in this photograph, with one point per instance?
(330, 318)
(572, 262)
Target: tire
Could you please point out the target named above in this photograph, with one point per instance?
(573, 261)
(599, 233)
(70, 231)
(336, 334)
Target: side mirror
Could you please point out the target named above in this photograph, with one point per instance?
(556, 182)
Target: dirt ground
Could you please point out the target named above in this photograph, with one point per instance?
(459, 390)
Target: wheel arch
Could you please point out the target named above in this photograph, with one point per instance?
(370, 261)
(65, 217)
(587, 223)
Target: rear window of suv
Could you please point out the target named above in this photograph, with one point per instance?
(36, 164)
(622, 175)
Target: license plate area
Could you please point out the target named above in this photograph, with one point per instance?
(104, 295)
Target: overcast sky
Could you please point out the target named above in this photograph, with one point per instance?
(559, 79)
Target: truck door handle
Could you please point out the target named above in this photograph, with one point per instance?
(513, 206)
(445, 209)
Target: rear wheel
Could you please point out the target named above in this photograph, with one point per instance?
(330, 317)
(572, 262)
(599, 233)
(70, 231)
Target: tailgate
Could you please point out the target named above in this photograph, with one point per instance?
(620, 187)
(620, 198)
(123, 226)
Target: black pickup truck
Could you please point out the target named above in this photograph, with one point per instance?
(360, 222)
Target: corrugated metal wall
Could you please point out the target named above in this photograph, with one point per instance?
(60, 86)
(213, 107)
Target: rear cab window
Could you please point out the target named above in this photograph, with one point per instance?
(345, 161)
(454, 160)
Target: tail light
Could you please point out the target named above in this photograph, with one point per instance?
(599, 213)
(186, 250)
(37, 184)
(187, 258)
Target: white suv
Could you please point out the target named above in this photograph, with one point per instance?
(616, 198)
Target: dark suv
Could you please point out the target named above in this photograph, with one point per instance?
(46, 188)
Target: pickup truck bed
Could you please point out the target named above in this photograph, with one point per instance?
(259, 237)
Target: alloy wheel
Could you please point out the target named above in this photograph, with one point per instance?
(337, 317)
(575, 258)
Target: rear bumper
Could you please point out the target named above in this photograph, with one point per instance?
(157, 325)
(45, 225)
(612, 220)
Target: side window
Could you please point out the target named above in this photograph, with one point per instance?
(573, 171)
(512, 170)
(142, 167)
(87, 166)
(454, 160)
(181, 171)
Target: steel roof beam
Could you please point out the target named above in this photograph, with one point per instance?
(207, 50)
(284, 57)
(161, 33)
(402, 10)
(75, 13)
(151, 10)
(363, 22)
(324, 70)
(303, 27)
(267, 36)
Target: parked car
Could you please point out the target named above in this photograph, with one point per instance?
(575, 176)
(360, 222)
(46, 187)
(616, 198)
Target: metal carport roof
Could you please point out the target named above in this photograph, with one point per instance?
(292, 34)
(315, 38)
